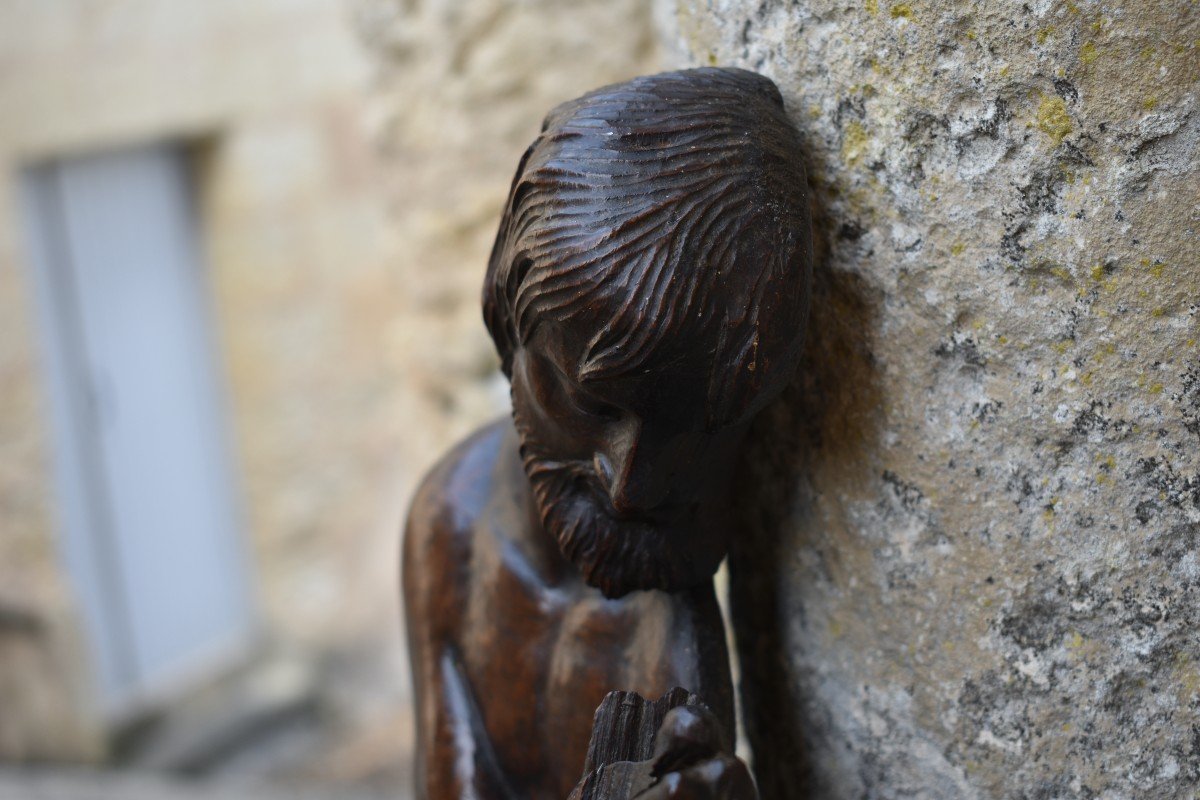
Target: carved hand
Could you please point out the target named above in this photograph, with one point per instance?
(691, 759)
(691, 764)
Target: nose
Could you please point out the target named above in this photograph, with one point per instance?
(637, 473)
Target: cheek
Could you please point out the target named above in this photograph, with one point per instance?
(558, 433)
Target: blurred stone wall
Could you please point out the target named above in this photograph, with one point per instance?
(345, 289)
(458, 91)
(972, 559)
(269, 96)
(461, 91)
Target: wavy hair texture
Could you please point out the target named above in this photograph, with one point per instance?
(663, 218)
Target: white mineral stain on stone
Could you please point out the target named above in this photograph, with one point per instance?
(989, 739)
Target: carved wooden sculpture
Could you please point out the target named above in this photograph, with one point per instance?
(647, 293)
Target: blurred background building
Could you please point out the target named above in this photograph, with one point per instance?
(240, 246)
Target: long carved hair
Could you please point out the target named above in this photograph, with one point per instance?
(658, 216)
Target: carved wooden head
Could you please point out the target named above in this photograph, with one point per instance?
(648, 293)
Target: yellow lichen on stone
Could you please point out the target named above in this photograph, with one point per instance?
(1098, 273)
(1088, 53)
(854, 143)
(1053, 119)
(1044, 34)
(1190, 683)
(1063, 274)
(1149, 103)
(903, 11)
(872, 7)
(882, 69)
(1048, 512)
(957, 249)
(1189, 677)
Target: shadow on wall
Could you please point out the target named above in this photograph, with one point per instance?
(824, 421)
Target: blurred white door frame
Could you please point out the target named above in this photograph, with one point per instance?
(150, 525)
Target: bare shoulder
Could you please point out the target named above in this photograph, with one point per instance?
(454, 492)
(441, 520)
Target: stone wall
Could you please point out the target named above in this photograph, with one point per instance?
(461, 92)
(972, 559)
(346, 293)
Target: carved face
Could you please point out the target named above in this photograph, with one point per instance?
(648, 293)
(627, 473)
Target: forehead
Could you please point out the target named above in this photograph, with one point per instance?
(672, 385)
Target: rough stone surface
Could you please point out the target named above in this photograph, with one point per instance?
(972, 559)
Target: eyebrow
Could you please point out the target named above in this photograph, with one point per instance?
(595, 376)
(566, 378)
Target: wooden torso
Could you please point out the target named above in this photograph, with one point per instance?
(540, 649)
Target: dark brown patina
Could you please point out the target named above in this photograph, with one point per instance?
(647, 293)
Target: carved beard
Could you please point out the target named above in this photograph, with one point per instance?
(614, 555)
